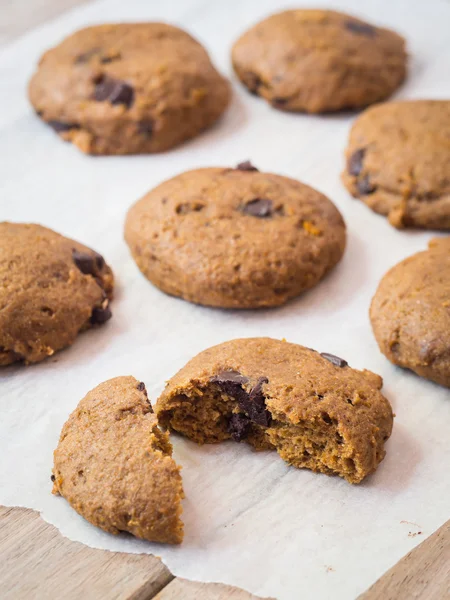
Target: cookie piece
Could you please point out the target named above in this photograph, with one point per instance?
(398, 162)
(312, 408)
(51, 288)
(410, 313)
(319, 61)
(130, 482)
(128, 88)
(234, 238)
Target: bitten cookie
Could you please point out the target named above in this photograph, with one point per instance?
(114, 466)
(128, 88)
(410, 313)
(319, 61)
(51, 288)
(398, 162)
(312, 408)
(234, 238)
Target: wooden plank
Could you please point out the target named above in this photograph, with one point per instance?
(423, 573)
(18, 16)
(183, 589)
(37, 562)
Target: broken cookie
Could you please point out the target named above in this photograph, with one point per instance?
(313, 409)
(114, 465)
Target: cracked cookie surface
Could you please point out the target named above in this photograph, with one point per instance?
(313, 409)
(128, 88)
(410, 313)
(319, 61)
(114, 465)
(398, 162)
(51, 289)
(235, 238)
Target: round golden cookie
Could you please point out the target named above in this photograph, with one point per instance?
(235, 238)
(319, 61)
(312, 408)
(114, 465)
(51, 288)
(128, 88)
(398, 162)
(410, 313)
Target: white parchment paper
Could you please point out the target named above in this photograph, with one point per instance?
(250, 520)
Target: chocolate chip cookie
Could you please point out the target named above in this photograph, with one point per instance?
(235, 238)
(398, 162)
(312, 408)
(128, 88)
(51, 288)
(114, 465)
(319, 61)
(410, 313)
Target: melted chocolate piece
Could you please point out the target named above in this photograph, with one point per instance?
(100, 315)
(338, 362)
(259, 207)
(355, 162)
(246, 166)
(146, 127)
(361, 28)
(114, 91)
(231, 383)
(88, 264)
(364, 185)
(60, 127)
(239, 427)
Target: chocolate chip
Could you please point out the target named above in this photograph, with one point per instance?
(239, 426)
(114, 91)
(141, 387)
(253, 82)
(88, 264)
(279, 101)
(338, 362)
(52, 478)
(86, 56)
(59, 126)
(355, 162)
(360, 28)
(252, 403)
(146, 127)
(246, 166)
(259, 207)
(100, 315)
(364, 185)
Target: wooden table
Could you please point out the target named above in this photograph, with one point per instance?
(37, 562)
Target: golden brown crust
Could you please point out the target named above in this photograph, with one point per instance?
(319, 61)
(410, 313)
(128, 88)
(192, 237)
(45, 298)
(114, 466)
(322, 417)
(398, 162)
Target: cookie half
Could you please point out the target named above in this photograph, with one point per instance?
(235, 238)
(410, 313)
(312, 408)
(398, 162)
(51, 289)
(319, 61)
(128, 88)
(114, 465)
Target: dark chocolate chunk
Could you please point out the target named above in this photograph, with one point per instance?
(60, 127)
(338, 362)
(259, 207)
(255, 407)
(100, 315)
(146, 127)
(52, 477)
(355, 162)
(141, 387)
(239, 426)
(246, 166)
(114, 91)
(364, 185)
(86, 56)
(89, 264)
(279, 101)
(231, 383)
(361, 28)
(253, 82)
